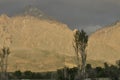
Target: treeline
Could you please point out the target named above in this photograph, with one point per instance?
(108, 71)
(29, 75)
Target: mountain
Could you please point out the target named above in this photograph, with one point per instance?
(36, 12)
(46, 45)
(104, 44)
(35, 44)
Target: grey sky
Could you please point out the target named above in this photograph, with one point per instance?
(87, 14)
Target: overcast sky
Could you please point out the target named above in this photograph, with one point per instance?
(87, 14)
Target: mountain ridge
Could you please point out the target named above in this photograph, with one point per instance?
(31, 39)
(45, 45)
(107, 39)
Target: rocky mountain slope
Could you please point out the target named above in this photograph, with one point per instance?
(104, 44)
(45, 45)
(35, 44)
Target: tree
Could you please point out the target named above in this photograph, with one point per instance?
(91, 73)
(118, 63)
(111, 71)
(18, 74)
(100, 72)
(4, 62)
(60, 74)
(28, 74)
(114, 73)
(107, 69)
(80, 44)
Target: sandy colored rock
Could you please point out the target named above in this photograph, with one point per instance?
(46, 45)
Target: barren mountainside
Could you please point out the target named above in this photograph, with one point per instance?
(104, 44)
(45, 45)
(35, 44)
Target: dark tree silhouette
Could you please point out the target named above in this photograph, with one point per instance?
(80, 44)
(118, 63)
(4, 62)
(18, 74)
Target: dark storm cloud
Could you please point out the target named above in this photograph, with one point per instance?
(75, 13)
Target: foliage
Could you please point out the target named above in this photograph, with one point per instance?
(109, 71)
(80, 44)
(112, 72)
(4, 53)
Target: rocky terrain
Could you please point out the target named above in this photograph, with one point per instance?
(35, 44)
(104, 44)
(46, 45)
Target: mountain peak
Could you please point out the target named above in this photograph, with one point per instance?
(4, 16)
(35, 12)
